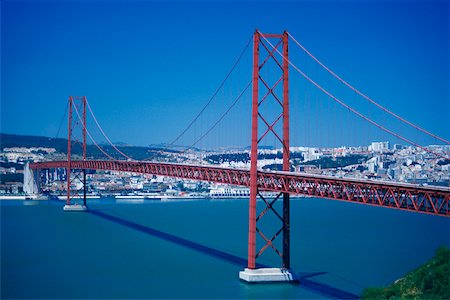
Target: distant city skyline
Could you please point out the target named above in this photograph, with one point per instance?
(148, 67)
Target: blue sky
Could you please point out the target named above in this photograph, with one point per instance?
(148, 67)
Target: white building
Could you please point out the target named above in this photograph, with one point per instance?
(379, 147)
(227, 191)
(312, 154)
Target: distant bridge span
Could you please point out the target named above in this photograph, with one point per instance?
(410, 197)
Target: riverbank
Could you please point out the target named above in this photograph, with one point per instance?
(133, 197)
(429, 281)
(23, 197)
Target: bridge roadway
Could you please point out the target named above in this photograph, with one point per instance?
(410, 197)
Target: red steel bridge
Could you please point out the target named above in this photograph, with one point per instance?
(402, 196)
(410, 197)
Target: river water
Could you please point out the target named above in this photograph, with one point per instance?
(195, 248)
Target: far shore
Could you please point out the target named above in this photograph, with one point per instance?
(13, 197)
(20, 197)
(161, 197)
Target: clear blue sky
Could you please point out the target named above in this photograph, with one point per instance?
(148, 67)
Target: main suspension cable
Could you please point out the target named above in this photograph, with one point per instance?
(221, 117)
(104, 134)
(172, 143)
(62, 120)
(213, 95)
(365, 96)
(90, 136)
(225, 113)
(349, 107)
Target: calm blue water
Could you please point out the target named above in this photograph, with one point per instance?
(195, 249)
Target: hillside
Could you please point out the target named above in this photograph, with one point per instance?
(430, 281)
(338, 162)
(14, 140)
(60, 144)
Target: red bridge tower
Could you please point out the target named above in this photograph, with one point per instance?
(76, 104)
(260, 117)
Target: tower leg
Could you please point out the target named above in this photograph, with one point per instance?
(286, 233)
(254, 158)
(84, 187)
(252, 274)
(70, 194)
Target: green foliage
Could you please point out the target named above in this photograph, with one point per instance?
(228, 157)
(273, 167)
(28, 141)
(444, 162)
(338, 162)
(430, 281)
(245, 157)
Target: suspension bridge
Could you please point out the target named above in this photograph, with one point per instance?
(431, 200)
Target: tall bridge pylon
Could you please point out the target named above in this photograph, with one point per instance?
(280, 130)
(77, 122)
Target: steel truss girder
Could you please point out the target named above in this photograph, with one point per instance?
(409, 197)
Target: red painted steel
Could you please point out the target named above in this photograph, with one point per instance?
(254, 157)
(69, 148)
(84, 148)
(283, 138)
(72, 139)
(286, 153)
(408, 197)
(84, 127)
(272, 35)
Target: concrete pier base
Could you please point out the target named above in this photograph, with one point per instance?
(268, 275)
(75, 207)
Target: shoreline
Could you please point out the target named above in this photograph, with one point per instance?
(22, 197)
(138, 197)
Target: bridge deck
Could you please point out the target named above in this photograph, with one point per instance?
(423, 199)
